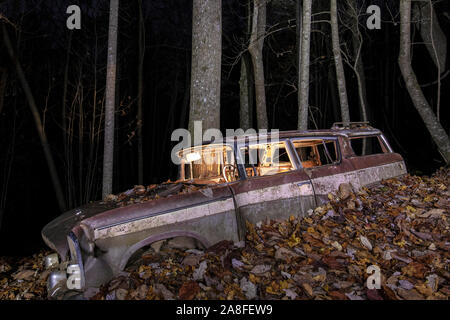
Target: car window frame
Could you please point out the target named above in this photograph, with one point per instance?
(336, 143)
(385, 147)
(291, 156)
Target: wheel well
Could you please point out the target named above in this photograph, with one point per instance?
(202, 241)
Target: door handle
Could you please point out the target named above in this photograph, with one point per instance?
(303, 183)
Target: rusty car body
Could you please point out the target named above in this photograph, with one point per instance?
(99, 238)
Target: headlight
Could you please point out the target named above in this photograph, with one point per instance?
(51, 261)
(56, 281)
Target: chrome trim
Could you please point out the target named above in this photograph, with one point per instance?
(75, 253)
(386, 143)
(56, 282)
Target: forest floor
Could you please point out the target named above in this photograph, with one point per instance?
(399, 227)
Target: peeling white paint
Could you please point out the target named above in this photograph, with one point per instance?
(164, 219)
(284, 191)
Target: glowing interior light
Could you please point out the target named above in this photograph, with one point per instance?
(194, 156)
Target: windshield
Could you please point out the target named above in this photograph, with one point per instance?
(206, 162)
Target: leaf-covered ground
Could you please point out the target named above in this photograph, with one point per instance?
(400, 225)
(23, 278)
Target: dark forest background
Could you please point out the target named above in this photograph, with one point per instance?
(49, 52)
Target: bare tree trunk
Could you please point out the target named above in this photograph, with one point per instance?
(245, 111)
(140, 91)
(37, 120)
(358, 66)
(304, 60)
(435, 41)
(360, 78)
(404, 60)
(256, 51)
(340, 76)
(206, 63)
(245, 84)
(434, 38)
(110, 96)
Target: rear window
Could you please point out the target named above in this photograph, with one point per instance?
(363, 146)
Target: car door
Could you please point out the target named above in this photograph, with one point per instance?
(324, 164)
(373, 159)
(274, 192)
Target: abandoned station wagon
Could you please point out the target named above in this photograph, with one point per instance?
(220, 187)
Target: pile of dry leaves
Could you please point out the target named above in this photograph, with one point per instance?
(141, 193)
(23, 278)
(400, 226)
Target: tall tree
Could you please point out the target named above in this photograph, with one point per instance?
(420, 103)
(245, 83)
(304, 45)
(256, 51)
(431, 32)
(340, 76)
(434, 39)
(37, 120)
(110, 96)
(245, 97)
(358, 65)
(206, 63)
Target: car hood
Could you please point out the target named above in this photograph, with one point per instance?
(55, 233)
(100, 214)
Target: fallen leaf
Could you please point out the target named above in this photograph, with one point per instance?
(188, 290)
(365, 242)
(121, 294)
(259, 269)
(24, 275)
(307, 288)
(409, 294)
(415, 269)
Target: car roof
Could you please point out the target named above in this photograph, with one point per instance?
(334, 131)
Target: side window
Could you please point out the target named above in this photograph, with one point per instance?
(317, 152)
(266, 159)
(363, 146)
